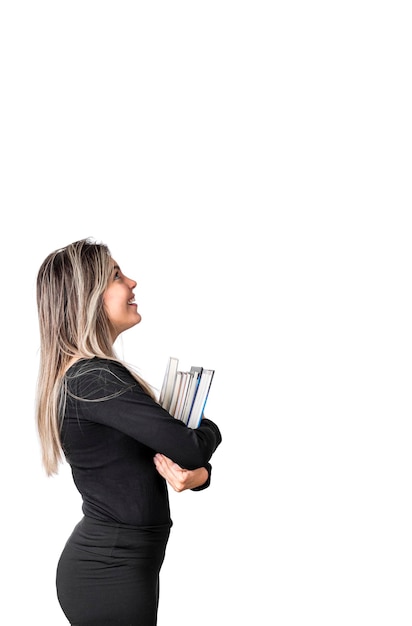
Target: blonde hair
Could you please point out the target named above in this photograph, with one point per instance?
(73, 324)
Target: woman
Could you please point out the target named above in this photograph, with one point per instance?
(122, 446)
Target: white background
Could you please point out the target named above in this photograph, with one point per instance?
(249, 164)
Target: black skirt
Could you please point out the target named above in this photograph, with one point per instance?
(108, 574)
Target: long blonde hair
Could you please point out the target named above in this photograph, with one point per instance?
(73, 324)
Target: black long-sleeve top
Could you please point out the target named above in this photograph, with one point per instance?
(110, 433)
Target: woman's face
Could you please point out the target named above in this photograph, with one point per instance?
(118, 300)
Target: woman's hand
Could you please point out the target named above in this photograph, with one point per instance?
(177, 477)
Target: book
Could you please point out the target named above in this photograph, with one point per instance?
(184, 383)
(194, 379)
(184, 393)
(196, 413)
(175, 394)
(169, 383)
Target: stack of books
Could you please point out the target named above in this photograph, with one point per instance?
(184, 393)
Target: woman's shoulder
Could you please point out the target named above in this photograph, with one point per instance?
(100, 367)
(98, 377)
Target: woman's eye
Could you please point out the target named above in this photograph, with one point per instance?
(117, 276)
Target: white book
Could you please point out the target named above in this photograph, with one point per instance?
(168, 383)
(178, 413)
(176, 392)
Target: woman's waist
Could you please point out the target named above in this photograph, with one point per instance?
(116, 538)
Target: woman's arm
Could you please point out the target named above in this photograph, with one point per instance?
(114, 398)
(177, 477)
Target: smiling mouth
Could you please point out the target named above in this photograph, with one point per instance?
(131, 301)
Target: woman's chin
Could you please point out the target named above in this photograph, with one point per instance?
(137, 319)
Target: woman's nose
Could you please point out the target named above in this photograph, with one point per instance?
(132, 283)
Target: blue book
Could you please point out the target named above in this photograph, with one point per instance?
(194, 379)
(196, 413)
